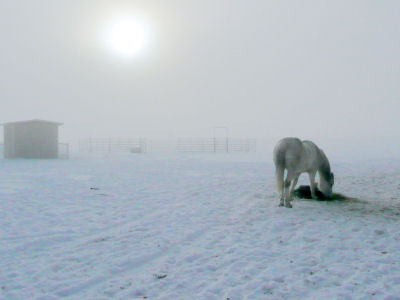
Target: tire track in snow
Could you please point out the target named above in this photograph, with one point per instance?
(128, 265)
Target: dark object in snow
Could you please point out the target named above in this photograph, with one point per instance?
(160, 276)
(94, 188)
(304, 192)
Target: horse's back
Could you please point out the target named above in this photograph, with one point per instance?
(311, 150)
(288, 152)
(310, 145)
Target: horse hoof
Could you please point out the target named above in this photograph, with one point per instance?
(289, 205)
(280, 204)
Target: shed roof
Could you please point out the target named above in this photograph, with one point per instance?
(33, 121)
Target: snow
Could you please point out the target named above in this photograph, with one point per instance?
(193, 227)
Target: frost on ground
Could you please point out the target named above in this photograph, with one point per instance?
(199, 227)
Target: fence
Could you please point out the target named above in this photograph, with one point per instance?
(113, 145)
(216, 145)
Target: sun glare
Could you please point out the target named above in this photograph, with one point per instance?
(125, 36)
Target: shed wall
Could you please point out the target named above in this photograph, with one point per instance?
(31, 140)
(9, 145)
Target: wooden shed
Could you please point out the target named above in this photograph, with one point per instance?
(31, 139)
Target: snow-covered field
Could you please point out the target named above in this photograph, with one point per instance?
(193, 227)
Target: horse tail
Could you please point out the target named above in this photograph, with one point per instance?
(279, 174)
(279, 161)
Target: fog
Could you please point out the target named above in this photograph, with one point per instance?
(327, 71)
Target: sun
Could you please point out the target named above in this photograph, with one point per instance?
(125, 36)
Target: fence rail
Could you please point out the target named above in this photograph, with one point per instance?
(113, 145)
(216, 145)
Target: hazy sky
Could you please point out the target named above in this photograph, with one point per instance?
(323, 70)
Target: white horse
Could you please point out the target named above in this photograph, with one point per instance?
(296, 157)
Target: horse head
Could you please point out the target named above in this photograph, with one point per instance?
(326, 182)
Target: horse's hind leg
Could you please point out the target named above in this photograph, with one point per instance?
(279, 173)
(288, 181)
(293, 186)
(282, 199)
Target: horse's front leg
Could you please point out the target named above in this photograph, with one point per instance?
(311, 175)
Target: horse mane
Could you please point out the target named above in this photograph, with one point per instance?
(325, 168)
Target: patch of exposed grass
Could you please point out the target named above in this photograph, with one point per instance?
(304, 192)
